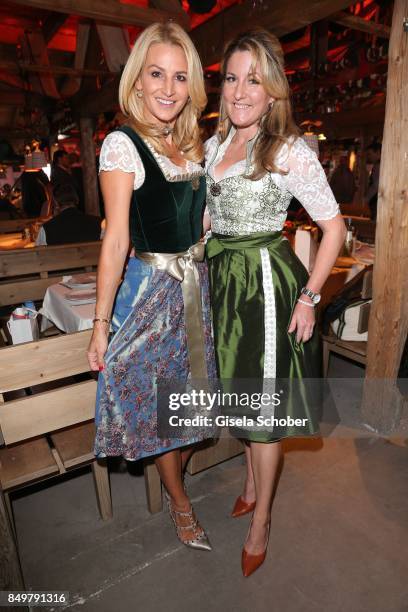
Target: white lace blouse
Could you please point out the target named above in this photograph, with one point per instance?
(305, 179)
(119, 153)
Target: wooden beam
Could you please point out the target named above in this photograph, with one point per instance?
(11, 98)
(98, 102)
(52, 24)
(108, 10)
(37, 50)
(10, 79)
(173, 6)
(388, 325)
(88, 156)
(73, 84)
(115, 44)
(167, 5)
(319, 44)
(33, 82)
(93, 61)
(281, 17)
(362, 25)
(39, 68)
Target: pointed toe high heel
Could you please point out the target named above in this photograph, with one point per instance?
(241, 507)
(250, 563)
(200, 541)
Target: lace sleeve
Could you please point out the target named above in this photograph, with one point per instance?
(307, 182)
(119, 153)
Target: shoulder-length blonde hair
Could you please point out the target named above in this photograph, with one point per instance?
(186, 134)
(277, 125)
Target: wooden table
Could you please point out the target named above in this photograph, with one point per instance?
(14, 241)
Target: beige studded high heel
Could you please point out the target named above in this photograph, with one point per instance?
(201, 541)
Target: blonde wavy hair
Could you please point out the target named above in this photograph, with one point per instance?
(277, 124)
(186, 134)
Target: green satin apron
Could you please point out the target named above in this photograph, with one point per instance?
(238, 306)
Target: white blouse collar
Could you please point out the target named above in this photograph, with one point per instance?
(240, 167)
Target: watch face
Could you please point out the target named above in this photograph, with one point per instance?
(316, 298)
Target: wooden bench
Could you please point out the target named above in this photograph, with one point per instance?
(51, 431)
(352, 349)
(25, 274)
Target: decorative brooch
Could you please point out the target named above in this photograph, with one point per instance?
(215, 189)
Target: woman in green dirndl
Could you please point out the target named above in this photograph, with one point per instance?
(262, 297)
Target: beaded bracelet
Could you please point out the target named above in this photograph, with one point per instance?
(101, 319)
(306, 303)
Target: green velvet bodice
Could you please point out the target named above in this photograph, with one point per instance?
(165, 216)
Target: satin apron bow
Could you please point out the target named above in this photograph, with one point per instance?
(182, 267)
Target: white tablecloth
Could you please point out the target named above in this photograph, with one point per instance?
(64, 314)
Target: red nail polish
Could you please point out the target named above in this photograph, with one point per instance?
(100, 368)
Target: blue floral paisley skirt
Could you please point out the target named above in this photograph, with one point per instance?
(149, 342)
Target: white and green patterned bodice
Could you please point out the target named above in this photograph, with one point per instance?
(241, 206)
(238, 205)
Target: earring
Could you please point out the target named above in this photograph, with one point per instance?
(139, 93)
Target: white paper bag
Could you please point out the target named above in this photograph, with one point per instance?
(305, 248)
(23, 330)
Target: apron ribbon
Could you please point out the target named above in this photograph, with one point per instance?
(182, 267)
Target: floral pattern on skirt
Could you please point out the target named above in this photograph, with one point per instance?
(149, 342)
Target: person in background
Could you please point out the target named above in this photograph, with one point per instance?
(7, 210)
(342, 182)
(374, 158)
(61, 173)
(34, 186)
(68, 224)
(77, 176)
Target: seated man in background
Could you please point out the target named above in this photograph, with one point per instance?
(7, 209)
(342, 181)
(69, 224)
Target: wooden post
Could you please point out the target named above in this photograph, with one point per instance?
(359, 197)
(388, 327)
(11, 578)
(90, 178)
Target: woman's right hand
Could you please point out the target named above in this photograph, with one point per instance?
(98, 346)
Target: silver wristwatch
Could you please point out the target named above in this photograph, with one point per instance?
(315, 297)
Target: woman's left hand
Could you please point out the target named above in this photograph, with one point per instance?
(303, 322)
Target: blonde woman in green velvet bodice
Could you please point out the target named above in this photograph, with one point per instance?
(263, 299)
(154, 188)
